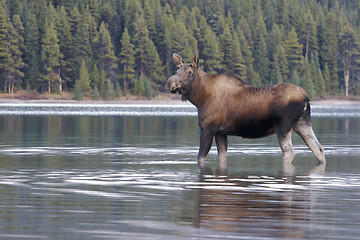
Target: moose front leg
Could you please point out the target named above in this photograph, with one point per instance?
(222, 144)
(206, 139)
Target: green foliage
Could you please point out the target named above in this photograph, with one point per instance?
(51, 55)
(107, 58)
(306, 81)
(227, 49)
(109, 90)
(130, 43)
(293, 50)
(127, 61)
(5, 55)
(95, 93)
(118, 92)
(84, 80)
(77, 91)
(239, 67)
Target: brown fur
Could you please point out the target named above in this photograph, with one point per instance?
(228, 106)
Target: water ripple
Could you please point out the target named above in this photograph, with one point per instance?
(334, 150)
(76, 109)
(98, 109)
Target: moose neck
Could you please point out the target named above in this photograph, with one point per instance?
(198, 92)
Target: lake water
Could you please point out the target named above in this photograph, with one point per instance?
(129, 172)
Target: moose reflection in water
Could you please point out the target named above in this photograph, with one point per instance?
(240, 203)
(228, 106)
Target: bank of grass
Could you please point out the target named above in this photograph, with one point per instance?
(66, 97)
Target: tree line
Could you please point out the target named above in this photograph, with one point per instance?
(111, 48)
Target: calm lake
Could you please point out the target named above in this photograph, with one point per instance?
(71, 171)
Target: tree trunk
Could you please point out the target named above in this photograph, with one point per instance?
(307, 44)
(49, 86)
(346, 81)
(60, 83)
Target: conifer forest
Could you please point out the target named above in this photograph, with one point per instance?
(106, 49)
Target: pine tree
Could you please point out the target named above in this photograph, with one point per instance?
(109, 93)
(103, 80)
(293, 50)
(294, 77)
(16, 45)
(212, 54)
(313, 68)
(108, 17)
(193, 24)
(31, 56)
(308, 37)
(153, 68)
(252, 77)
(81, 48)
(51, 55)
(95, 77)
(227, 49)
(77, 91)
(261, 61)
(96, 94)
(6, 61)
(326, 74)
(180, 40)
(321, 84)
(149, 92)
(274, 40)
(306, 81)
(139, 86)
(349, 47)
(107, 58)
(150, 20)
(239, 63)
(65, 40)
(213, 14)
(282, 62)
(84, 80)
(94, 37)
(329, 50)
(132, 9)
(166, 48)
(127, 61)
(118, 92)
(140, 38)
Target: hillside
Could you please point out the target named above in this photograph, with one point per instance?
(98, 49)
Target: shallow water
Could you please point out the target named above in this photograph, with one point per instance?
(129, 172)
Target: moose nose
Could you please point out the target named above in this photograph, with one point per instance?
(171, 84)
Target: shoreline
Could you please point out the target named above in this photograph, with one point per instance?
(155, 101)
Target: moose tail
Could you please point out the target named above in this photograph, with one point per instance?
(307, 111)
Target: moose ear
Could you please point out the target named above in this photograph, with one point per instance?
(179, 62)
(195, 63)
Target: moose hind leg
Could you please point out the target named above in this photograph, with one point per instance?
(304, 129)
(222, 144)
(286, 146)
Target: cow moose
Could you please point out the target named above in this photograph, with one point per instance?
(228, 106)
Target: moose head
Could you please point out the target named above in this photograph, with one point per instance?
(181, 82)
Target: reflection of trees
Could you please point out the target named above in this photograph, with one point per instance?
(92, 128)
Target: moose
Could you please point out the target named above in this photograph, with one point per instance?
(228, 106)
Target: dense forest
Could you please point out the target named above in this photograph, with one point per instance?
(105, 49)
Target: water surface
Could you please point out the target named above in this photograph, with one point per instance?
(129, 172)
